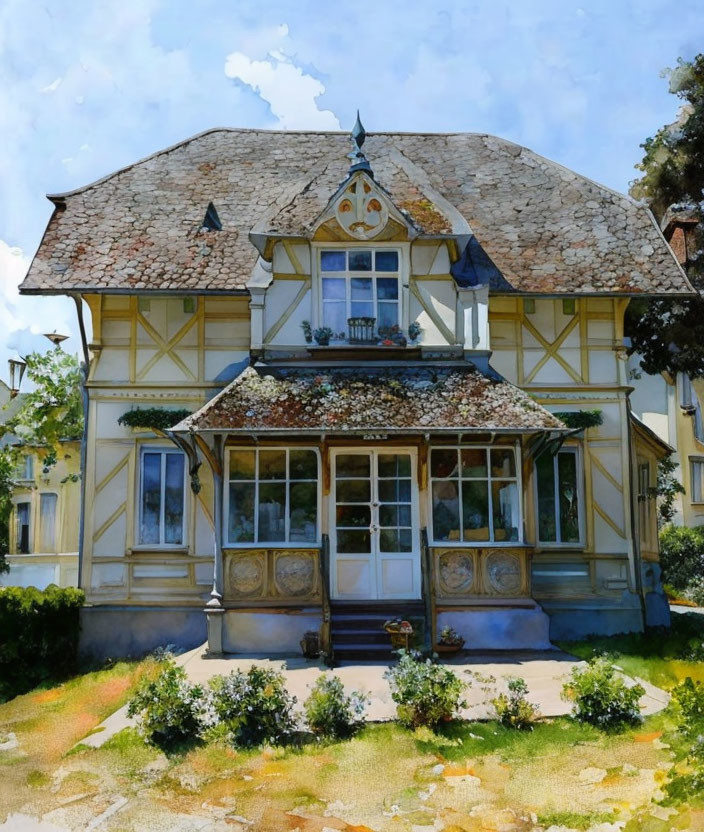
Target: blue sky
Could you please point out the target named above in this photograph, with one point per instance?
(87, 86)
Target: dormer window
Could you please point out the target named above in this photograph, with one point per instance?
(360, 283)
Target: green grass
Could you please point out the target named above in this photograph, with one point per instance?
(662, 658)
(457, 741)
(574, 820)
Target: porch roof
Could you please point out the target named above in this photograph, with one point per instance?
(358, 399)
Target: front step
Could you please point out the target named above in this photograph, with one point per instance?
(357, 629)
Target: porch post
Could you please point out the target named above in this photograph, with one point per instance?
(214, 609)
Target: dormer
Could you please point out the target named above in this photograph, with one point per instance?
(368, 261)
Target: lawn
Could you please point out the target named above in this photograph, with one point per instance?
(467, 776)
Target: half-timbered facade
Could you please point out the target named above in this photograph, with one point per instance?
(377, 359)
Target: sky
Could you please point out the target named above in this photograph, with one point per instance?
(88, 86)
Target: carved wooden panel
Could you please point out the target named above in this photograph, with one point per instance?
(456, 572)
(476, 572)
(503, 573)
(246, 575)
(272, 575)
(295, 573)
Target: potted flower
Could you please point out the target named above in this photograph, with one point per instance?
(391, 336)
(323, 335)
(307, 332)
(400, 631)
(450, 641)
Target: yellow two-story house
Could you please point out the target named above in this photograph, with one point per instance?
(397, 384)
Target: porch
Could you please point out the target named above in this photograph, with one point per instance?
(348, 497)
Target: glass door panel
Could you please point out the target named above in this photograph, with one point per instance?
(375, 540)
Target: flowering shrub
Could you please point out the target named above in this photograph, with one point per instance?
(424, 693)
(330, 713)
(601, 697)
(251, 708)
(168, 708)
(687, 776)
(513, 709)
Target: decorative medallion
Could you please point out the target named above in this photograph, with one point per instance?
(456, 571)
(294, 574)
(360, 210)
(504, 572)
(246, 575)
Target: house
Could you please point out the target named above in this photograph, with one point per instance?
(43, 528)
(43, 523)
(406, 388)
(671, 406)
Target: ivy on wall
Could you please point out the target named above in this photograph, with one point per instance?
(581, 419)
(156, 418)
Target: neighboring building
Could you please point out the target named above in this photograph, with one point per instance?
(44, 523)
(334, 485)
(671, 407)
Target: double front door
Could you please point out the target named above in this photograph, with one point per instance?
(374, 528)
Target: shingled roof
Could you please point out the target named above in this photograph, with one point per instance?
(546, 229)
(458, 398)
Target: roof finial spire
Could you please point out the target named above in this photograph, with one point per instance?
(359, 160)
(359, 134)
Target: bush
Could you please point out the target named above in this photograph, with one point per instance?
(252, 708)
(601, 697)
(513, 709)
(682, 555)
(688, 702)
(330, 713)
(168, 709)
(38, 636)
(424, 693)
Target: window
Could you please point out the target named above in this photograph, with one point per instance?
(691, 405)
(47, 522)
(23, 516)
(475, 495)
(359, 283)
(273, 496)
(161, 498)
(25, 468)
(644, 500)
(697, 471)
(559, 497)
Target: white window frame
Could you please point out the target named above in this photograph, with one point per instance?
(558, 544)
(404, 269)
(697, 484)
(270, 544)
(478, 544)
(163, 450)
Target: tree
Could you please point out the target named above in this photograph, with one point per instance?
(669, 334)
(50, 412)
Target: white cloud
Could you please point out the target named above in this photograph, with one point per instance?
(51, 87)
(25, 319)
(289, 92)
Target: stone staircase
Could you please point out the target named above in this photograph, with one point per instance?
(357, 628)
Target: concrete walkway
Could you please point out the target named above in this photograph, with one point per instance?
(544, 672)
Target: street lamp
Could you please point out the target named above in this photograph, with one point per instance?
(17, 368)
(55, 338)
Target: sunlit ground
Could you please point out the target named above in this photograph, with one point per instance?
(470, 776)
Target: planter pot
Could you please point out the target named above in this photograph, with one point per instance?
(448, 649)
